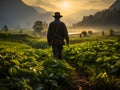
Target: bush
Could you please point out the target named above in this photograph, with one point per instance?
(84, 33)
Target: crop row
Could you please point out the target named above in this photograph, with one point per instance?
(99, 61)
(25, 68)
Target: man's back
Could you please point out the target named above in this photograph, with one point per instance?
(56, 34)
(58, 30)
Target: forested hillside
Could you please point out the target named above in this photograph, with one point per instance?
(109, 18)
(101, 19)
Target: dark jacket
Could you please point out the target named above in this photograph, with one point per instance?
(57, 31)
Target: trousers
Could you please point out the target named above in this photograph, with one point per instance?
(57, 51)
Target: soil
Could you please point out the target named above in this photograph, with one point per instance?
(81, 82)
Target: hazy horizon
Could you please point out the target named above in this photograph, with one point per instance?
(72, 11)
(67, 7)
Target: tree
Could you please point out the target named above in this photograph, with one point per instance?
(90, 32)
(38, 26)
(5, 28)
(84, 33)
(21, 31)
(111, 32)
(45, 24)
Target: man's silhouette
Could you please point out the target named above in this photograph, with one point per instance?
(56, 34)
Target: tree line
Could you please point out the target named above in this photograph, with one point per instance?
(38, 27)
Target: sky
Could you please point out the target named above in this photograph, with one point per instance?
(70, 6)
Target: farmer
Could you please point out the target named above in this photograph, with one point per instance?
(56, 34)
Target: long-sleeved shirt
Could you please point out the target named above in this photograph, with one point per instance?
(57, 30)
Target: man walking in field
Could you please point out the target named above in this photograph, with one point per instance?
(56, 34)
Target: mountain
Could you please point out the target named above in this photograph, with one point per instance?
(116, 5)
(77, 16)
(47, 16)
(109, 18)
(68, 19)
(15, 13)
(39, 9)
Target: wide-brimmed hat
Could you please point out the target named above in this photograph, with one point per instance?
(57, 15)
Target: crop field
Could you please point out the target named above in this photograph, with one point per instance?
(27, 63)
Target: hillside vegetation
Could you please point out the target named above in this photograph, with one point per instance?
(107, 18)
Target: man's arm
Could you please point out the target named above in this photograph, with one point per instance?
(66, 34)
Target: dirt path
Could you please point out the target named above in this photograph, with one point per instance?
(81, 82)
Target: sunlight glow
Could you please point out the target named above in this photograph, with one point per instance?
(68, 7)
(64, 5)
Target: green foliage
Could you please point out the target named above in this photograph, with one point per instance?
(61, 72)
(90, 32)
(5, 28)
(111, 32)
(84, 33)
(26, 63)
(99, 60)
(35, 42)
(38, 26)
(25, 68)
